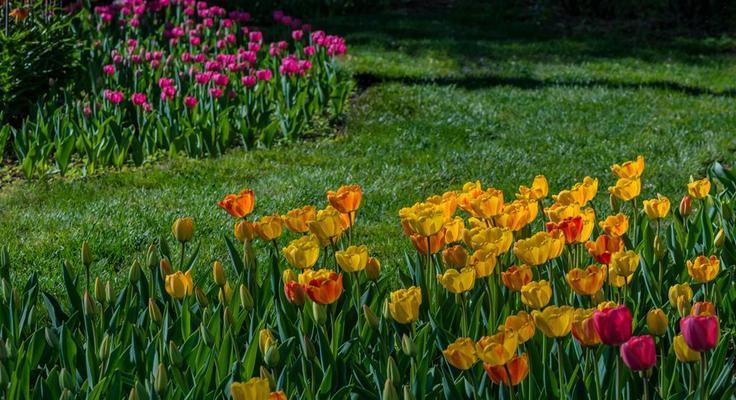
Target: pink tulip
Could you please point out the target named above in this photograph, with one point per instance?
(263, 74)
(114, 96)
(139, 99)
(700, 332)
(248, 80)
(109, 69)
(190, 102)
(639, 353)
(613, 325)
(297, 35)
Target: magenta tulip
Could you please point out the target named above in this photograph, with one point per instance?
(700, 332)
(613, 325)
(639, 353)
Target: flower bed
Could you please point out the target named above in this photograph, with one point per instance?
(187, 76)
(530, 298)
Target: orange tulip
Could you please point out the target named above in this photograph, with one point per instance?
(521, 323)
(703, 308)
(455, 257)
(515, 277)
(603, 247)
(615, 225)
(239, 205)
(470, 191)
(583, 328)
(19, 14)
(586, 282)
(324, 287)
(346, 199)
(244, 230)
(298, 219)
(570, 227)
(448, 203)
(437, 241)
(518, 366)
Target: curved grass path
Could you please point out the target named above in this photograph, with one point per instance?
(434, 110)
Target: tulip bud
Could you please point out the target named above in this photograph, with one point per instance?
(86, 255)
(392, 371)
(660, 249)
(65, 379)
(686, 206)
(386, 311)
(407, 393)
(109, 293)
(165, 266)
(100, 291)
(720, 238)
(152, 259)
(389, 391)
(174, 354)
(267, 376)
(308, 347)
(408, 346)
(273, 356)
(201, 298)
(319, 313)
(161, 380)
(227, 317)
(104, 350)
(66, 394)
(133, 394)
(245, 298)
(289, 275)
(373, 269)
(153, 311)
(370, 317)
(52, 339)
(218, 273)
(615, 205)
(657, 322)
(134, 275)
(88, 306)
(183, 229)
(205, 335)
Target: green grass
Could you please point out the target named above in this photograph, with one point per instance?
(441, 103)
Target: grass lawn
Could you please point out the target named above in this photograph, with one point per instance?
(441, 101)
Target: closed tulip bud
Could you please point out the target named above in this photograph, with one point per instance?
(153, 311)
(319, 313)
(268, 377)
(152, 259)
(161, 380)
(227, 316)
(720, 238)
(88, 306)
(308, 347)
(407, 393)
(65, 379)
(109, 293)
(392, 371)
(408, 346)
(205, 335)
(175, 355)
(100, 291)
(133, 394)
(52, 339)
(273, 356)
(104, 350)
(201, 298)
(373, 269)
(686, 206)
(660, 249)
(657, 322)
(389, 391)
(134, 275)
(86, 254)
(615, 204)
(183, 229)
(386, 310)
(245, 298)
(370, 317)
(289, 275)
(165, 266)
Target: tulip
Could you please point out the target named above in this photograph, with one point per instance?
(218, 274)
(626, 189)
(352, 259)
(700, 332)
(517, 215)
(680, 296)
(515, 277)
(686, 206)
(497, 240)
(253, 389)
(536, 294)
(244, 230)
(657, 208)
(488, 204)
(322, 286)
(570, 227)
(183, 229)
(580, 194)
(373, 269)
(720, 238)
(517, 366)
(268, 228)
(265, 341)
(617, 280)
(436, 242)
(615, 225)
(426, 219)
(657, 322)
(179, 284)
(554, 321)
(19, 14)
(161, 380)
(295, 293)
(629, 169)
(497, 349)
(625, 263)
(347, 198)
(699, 189)
(457, 281)
(586, 282)
(540, 248)
(603, 247)
(403, 304)
(483, 262)
(327, 225)
(448, 203)
(559, 212)
(683, 352)
(538, 190)
(583, 327)
(277, 396)
(470, 191)
(86, 254)
(613, 325)
(703, 308)
(239, 205)
(297, 220)
(703, 269)
(521, 323)
(303, 252)
(455, 257)
(461, 353)
(639, 353)
(454, 230)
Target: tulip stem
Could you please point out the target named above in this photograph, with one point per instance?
(703, 388)
(596, 377)
(646, 388)
(559, 368)
(463, 317)
(181, 259)
(618, 377)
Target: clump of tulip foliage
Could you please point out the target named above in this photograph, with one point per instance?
(533, 297)
(186, 76)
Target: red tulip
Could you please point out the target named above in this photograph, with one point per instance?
(295, 293)
(639, 353)
(325, 290)
(613, 325)
(700, 332)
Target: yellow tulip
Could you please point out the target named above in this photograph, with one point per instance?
(683, 352)
(470, 191)
(521, 323)
(426, 219)
(699, 189)
(373, 268)
(179, 284)
(457, 281)
(629, 169)
(554, 321)
(461, 353)
(454, 230)
(268, 228)
(352, 259)
(483, 262)
(218, 273)
(448, 203)
(497, 240)
(680, 296)
(265, 340)
(539, 248)
(244, 230)
(516, 215)
(183, 229)
(657, 208)
(297, 220)
(573, 196)
(497, 349)
(626, 189)
(254, 389)
(615, 225)
(586, 282)
(625, 262)
(558, 212)
(617, 280)
(657, 322)
(309, 275)
(303, 252)
(537, 191)
(588, 225)
(703, 269)
(536, 294)
(488, 204)
(327, 225)
(583, 328)
(403, 304)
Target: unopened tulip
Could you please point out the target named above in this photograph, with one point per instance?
(613, 325)
(179, 284)
(657, 322)
(686, 206)
(373, 269)
(700, 332)
(704, 308)
(218, 273)
(295, 293)
(680, 296)
(183, 229)
(244, 230)
(639, 353)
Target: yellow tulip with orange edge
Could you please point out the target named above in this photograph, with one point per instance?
(699, 189)
(588, 281)
(461, 353)
(615, 225)
(703, 269)
(629, 169)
